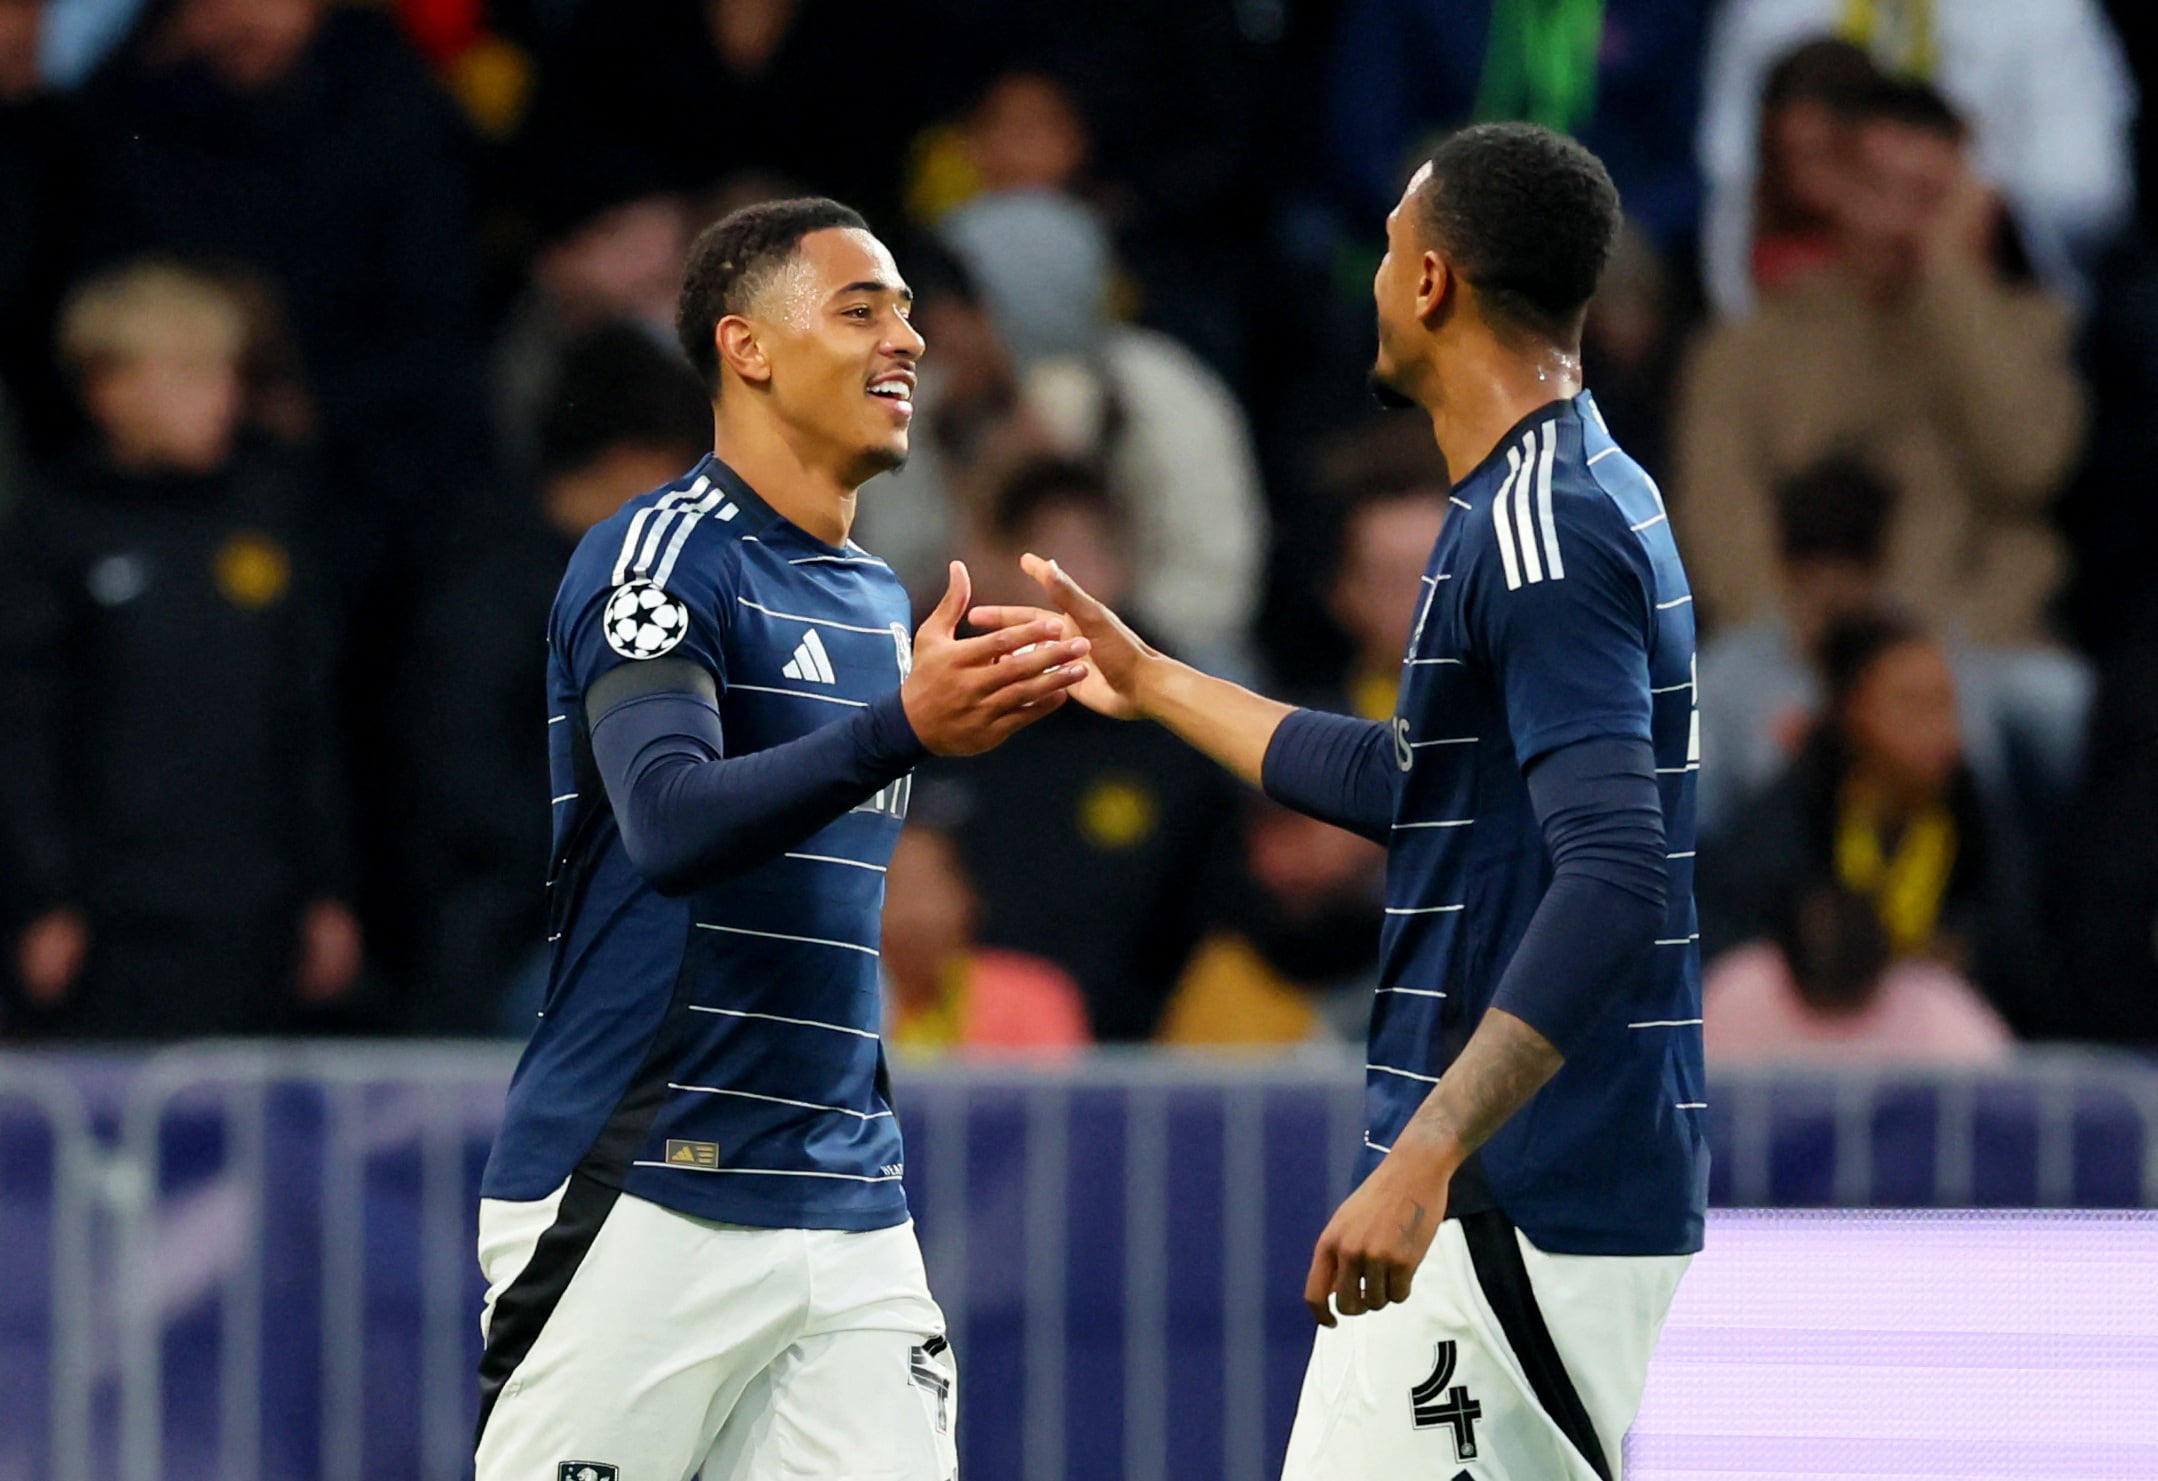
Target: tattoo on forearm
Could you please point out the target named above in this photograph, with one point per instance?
(1414, 1222)
(1503, 1064)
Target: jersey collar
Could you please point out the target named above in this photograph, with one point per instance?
(759, 518)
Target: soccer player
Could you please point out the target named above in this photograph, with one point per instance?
(693, 1231)
(1535, 1169)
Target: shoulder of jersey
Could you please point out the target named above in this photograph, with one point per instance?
(1544, 500)
(660, 537)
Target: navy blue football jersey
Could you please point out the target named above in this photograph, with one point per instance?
(718, 1052)
(1554, 610)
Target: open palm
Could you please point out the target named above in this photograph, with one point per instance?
(1111, 688)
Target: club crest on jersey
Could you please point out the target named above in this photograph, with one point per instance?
(585, 1470)
(904, 642)
(642, 621)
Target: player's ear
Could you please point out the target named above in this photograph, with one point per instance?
(741, 349)
(1435, 285)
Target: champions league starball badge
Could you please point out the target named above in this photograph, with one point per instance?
(642, 621)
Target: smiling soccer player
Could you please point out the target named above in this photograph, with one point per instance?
(694, 1234)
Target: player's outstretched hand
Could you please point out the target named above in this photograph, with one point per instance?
(1371, 1249)
(1119, 653)
(967, 694)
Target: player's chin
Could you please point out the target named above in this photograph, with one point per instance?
(885, 455)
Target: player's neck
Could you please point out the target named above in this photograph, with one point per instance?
(1485, 394)
(809, 495)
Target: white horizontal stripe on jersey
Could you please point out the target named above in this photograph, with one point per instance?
(1424, 909)
(565, 797)
(1678, 770)
(1691, 1105)
(1599, 457)
(782, 936)
(837, 1028)
(1680, 940)
(1665, 1023)
(1387, 1069)
(1673, 688)
(1446, 740)
(845, 627)
(1465, 504)
(1414, 992)
(778, 1100)
(1422, 662)
(771, 1172)
(1374, 1145)
(837, 560)
(556, 719)
(1674, 602)
(833, 859)
(1686, 855)
(830, 699)
(1651, 522)
(1440, 823)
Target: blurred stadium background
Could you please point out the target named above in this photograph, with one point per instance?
(326, 328)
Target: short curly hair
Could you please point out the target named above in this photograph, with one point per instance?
(734, 258)
(1528, 217)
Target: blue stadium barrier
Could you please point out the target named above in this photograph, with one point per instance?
(255, 1261)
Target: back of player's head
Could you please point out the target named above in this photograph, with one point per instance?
(733, 259)
(1527, 217)
(1835, 509)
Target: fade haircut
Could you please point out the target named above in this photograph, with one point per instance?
(1528, 218)
(734, 259)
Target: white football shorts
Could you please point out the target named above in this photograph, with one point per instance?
(1505, 1364)
(627, 1342)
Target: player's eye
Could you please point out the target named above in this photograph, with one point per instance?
(859, 311)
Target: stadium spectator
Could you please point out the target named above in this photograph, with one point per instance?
(1096, 844)
(2021, 709)
(1916, 352)
(696, 91)
(1825, 988)
(943, 990)
(1882, 803)
(623, 416)
(1623, 77)
(167, 747)
(2045, 87)
(1171, 436)
(40, 206)
(612, 251)
(1378, 586)
(1295, 954)
(306, 141)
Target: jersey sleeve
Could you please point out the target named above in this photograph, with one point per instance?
(1560, 611)
(601, 623)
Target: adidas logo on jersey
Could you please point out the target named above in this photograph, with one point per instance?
(810, 662)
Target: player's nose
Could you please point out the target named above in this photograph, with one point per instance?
(903, 339)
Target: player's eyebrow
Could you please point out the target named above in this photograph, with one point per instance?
(877, 285)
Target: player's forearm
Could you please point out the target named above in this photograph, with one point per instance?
(1223, 720)
(1336, 768)
(691, 815)
(1503, 1064)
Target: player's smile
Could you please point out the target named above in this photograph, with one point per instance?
(895, 388)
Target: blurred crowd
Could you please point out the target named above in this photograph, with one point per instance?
(327, 328)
